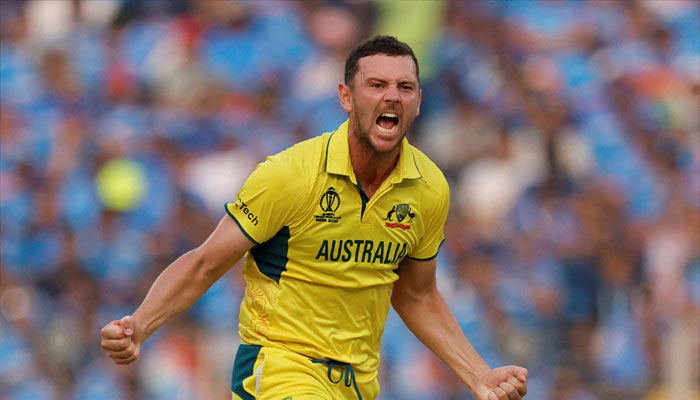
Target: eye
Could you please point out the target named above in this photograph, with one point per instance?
(407, 87)
(376, 85)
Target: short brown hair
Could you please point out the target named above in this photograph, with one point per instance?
(378, 44)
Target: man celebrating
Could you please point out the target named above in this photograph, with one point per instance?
(333, 229)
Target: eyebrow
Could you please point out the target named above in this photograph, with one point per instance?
(381, 80)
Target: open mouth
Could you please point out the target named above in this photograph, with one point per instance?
(387, 123)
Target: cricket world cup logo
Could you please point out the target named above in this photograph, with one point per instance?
(330, 202)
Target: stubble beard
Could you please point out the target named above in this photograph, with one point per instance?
(363, 137)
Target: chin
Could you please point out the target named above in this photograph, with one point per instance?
(384, 146)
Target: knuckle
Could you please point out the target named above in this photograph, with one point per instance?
(124, 360)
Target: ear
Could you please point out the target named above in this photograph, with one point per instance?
(345, 96)
(420, 97)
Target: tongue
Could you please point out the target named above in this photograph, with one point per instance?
(386, 122)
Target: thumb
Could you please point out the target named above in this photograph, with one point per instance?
(520, 373)
(127, 324)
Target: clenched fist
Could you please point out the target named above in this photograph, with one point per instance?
(504, 383)
(121, 340)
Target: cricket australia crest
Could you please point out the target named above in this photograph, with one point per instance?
(400, 212)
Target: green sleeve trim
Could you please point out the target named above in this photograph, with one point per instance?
(429, 258)
(271, 257)
(239, 225)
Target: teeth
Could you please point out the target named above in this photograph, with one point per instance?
(384, 130)
(393, 129)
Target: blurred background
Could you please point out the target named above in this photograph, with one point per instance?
(569, 132)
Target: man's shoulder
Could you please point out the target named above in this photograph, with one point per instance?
(429, 171)
(312, 145)
(305, 154)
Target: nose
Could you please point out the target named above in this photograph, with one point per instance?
(392, 94)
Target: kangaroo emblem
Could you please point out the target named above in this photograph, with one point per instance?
(401, 211)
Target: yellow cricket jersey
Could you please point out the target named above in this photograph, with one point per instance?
(320, 276)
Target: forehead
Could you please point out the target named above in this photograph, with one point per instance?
(387, 67)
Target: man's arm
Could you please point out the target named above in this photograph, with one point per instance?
(176, 289)
(417, 301)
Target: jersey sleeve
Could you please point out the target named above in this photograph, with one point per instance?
(268, 198)
(434, 233)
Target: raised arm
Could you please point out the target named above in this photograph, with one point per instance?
(176, 289)
(422, 308)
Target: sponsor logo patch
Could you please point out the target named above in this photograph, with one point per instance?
(253, 218)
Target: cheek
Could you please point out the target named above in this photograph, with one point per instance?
(410, 101)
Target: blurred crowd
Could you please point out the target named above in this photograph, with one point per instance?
(569, 131)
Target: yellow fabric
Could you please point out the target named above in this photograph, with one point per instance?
(280, 374)
(328, 294)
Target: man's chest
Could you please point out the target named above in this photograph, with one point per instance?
(341, 225)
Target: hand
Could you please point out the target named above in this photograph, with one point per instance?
(504, 383)
(121, 341)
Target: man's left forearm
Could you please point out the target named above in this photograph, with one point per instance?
(426, 314)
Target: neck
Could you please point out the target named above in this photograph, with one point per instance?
(370, 167)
